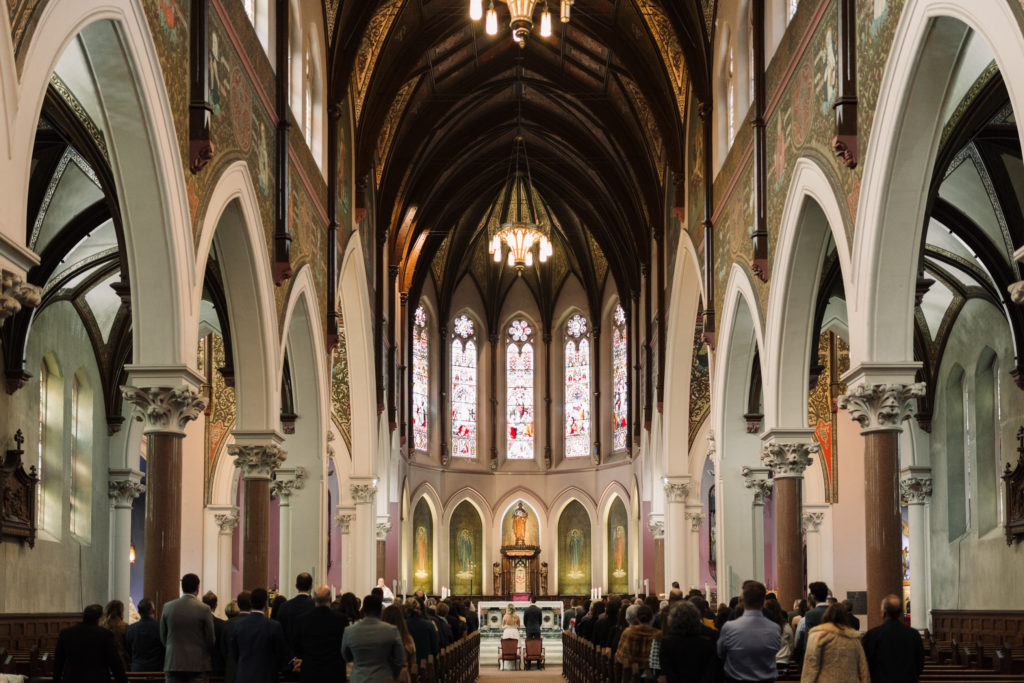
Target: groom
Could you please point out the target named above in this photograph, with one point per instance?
(532, 619)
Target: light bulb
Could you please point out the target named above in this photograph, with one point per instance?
(545, 23)
(476, 9)
(497, 255)
(511, 259)
(566, 4)
(529, 259)
(543, 256)
(492, 21)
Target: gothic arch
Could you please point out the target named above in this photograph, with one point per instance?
(355, 310)
(538, 507)
(480, 503)
(558, 505)
(900, 158)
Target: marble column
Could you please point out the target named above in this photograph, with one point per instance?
(811, 524)
(756, 479)
(696, 520)
(123, 487)
(286, 481)
(788, 454)
(165, 412)
(656, 525)
(364, 534)
(880, 410)
(226, 523)
(676, 533)
(345, 517)
(916, 490)
(258, 463)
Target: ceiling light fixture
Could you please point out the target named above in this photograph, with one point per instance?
(519, 227)
(520, 17)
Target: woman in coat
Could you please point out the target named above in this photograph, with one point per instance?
(834, 653)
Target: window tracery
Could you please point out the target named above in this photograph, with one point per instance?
(519, 408)
(577, 388)
(420, 380)
(464, 387)
(620, 380)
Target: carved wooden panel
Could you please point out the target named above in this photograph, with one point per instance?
(1015, 494)
(970, 626)
(17, 496)
(21, 632)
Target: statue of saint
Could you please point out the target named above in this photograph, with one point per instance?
(519, 524)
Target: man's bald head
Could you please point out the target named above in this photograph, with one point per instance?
(892, 607)
(322, 595)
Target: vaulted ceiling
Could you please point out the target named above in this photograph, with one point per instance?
(600, 104)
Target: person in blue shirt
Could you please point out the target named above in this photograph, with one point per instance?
(747, 645)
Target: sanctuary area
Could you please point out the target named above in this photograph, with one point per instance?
(490, 301)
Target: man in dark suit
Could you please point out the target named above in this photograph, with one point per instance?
(290, 612)
(186, 630)
(532, 618)
(86, 652)
(894, 650)
(373, 646)
(244, 610)
(219, 654)
(143, 639)
(472, 619)
(317, 642)
(258, 647)
(422, 630)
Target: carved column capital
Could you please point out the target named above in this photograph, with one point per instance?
(16, 294)
(383, 527)
(165, 410)
(881, 407)
(257, 461)
(756, 479)
(788, 458)
(344, 519)
(124, 486)
(810, 522)
(677, 491)
(226, 522)
(363, 493)
(656, 525)
(286, 482)
(696, 520)
(916, 489)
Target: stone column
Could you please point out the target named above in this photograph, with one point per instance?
(758, 482)
(286, 481)
(364, 534)
(165, 412)
(123, 487)
(811, 525)
(226, 523)
(676, 532)
(345, 516)
(656, 525)
(880, 409)
(916, 490)
(692, 580)
(788, 454)
(257, 462)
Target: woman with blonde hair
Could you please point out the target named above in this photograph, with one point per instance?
(510, 623)
(834, 653)
(113, 620)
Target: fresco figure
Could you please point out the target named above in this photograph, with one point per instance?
(519, 524)
(575, 552)
(421, 551)
(465, 551)
(620, 547)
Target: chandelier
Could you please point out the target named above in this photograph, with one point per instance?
(517, 224)
(521, 19)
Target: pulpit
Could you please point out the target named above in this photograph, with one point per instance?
(520, 571)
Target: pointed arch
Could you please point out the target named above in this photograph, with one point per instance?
(355, 310)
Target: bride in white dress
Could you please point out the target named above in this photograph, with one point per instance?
(510, 624)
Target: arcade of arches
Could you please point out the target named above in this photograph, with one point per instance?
(254, 321)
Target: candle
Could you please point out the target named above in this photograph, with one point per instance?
(706, 593)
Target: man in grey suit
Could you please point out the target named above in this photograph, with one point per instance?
(186, 630)
(373, 646)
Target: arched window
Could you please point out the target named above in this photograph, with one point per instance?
(750, 52)
(463, 388)
(730, 75)
(577, 387)
(420, 380)
(519, 391)
(296, 63)
(620, 380)
(81, 459)
(986, 444)
(957, 460)
(307, 99)
(50, 457)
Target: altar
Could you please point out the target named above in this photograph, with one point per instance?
(492, 612)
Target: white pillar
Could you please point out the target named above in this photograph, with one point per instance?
(916, 490)
(696, 520)
(811, 525)
(676, 531)
(286, 481)
(758, 482)
(345, 516)
(226, 524)
(364, 534)
(123, 487)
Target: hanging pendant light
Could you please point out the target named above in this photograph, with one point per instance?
(514, 223)
(520, 17)
(476, 9)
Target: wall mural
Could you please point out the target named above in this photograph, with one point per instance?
(528, 528)
(465, 550)
(574, 550)
(618, 548)
(422, 548)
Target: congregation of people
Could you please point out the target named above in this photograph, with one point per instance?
(310, 637)
(751, 638)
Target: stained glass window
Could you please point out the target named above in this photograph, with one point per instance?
(620, 380)
(519, 358)
(420, 380)
(577, 388)
(463, 388)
